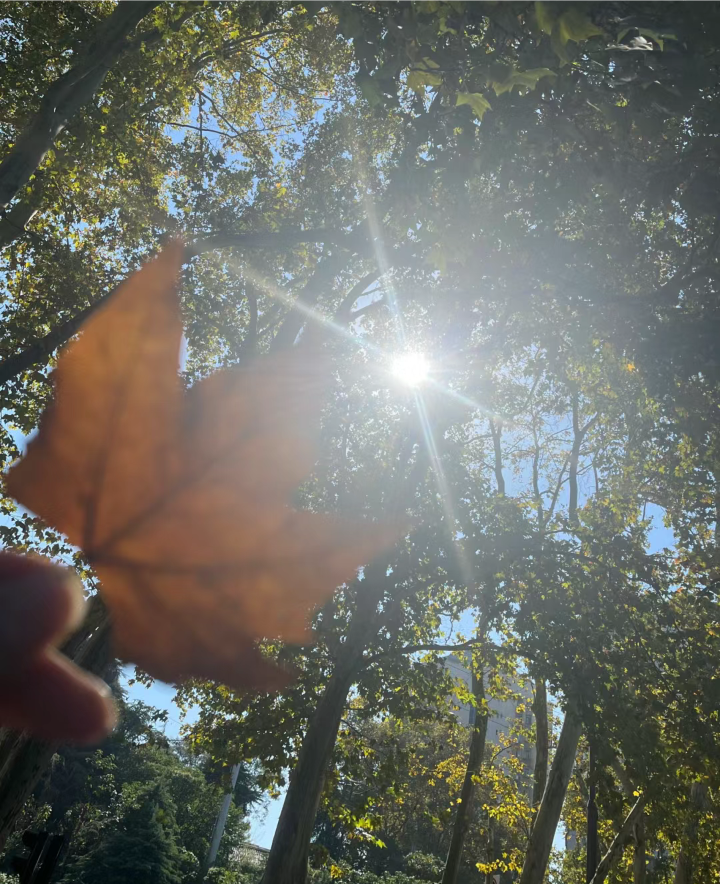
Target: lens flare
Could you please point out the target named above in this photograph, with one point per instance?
(411, 369)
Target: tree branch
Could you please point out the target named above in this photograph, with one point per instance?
(67, 95)
(343, 312)
(266, 240)
(623, 837)
(232, 47)
(14, 221)
(368, 308)
(319, 282)
(496, 432)
(42, 348)
(412, 649)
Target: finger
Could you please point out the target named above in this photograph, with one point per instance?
(39, 604)
(56, 701)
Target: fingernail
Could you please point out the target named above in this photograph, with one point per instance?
(76, 598)
(109, 717)
(37, 609)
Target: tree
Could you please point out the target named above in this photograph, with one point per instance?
(526, 192)
(142, 848)
(395, 786)
(103, 800)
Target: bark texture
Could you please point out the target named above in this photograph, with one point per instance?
(623, 837)
(684, 866)
(541, 837)
(288, 858)
(542, 747)
(287, 861)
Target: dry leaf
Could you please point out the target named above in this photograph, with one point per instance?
(180, 500)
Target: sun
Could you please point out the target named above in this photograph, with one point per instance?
(411, 369)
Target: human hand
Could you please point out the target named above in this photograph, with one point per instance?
(41, 691)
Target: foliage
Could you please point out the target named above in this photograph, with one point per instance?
(142, 847)
(525, 192)
(393, 795)
(135, 804)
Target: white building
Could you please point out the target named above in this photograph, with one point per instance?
(503, 714)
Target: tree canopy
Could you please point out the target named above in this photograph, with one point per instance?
(525, 197)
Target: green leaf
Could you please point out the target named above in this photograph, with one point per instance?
(443, 27)
(370, 90)
(429, 7)
(417, 80)
(576, 26)
(437, 258)
(544, 16)
(572, 25)
(476, 100)
(522, 79)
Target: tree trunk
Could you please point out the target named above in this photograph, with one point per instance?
(221, 821)
(623, 837)
(578, 436)
(541, 837)
(288, 858)
(29, 761)
(463, 814)
(67, 95)
(541, 744)
(684, 866)
(26, 758)
(591, 839)
(287, 862)
(639, 860)
(496, 433)
(320, 283)
(14, 222)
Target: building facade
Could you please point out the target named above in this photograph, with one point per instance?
(503, 717)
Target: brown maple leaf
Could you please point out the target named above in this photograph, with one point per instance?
(180, 500)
